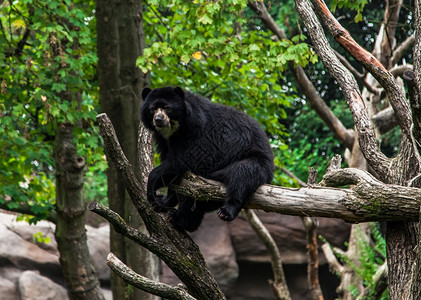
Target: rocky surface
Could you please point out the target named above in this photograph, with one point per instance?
(233, 253)
(241, 264)
(289, 234)
(31, 271)
(33, 286)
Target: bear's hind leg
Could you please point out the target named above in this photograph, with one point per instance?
(189, 214)
(242, 179)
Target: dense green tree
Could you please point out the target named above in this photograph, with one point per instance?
(47, 132)
(235, 52)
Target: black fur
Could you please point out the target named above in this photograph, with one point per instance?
(211, 140)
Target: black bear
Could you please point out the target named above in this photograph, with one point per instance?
(211, 140)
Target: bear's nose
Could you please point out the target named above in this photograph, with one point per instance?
(159, 117)
(160, 120)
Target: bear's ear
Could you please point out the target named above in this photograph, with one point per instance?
(179, 91)
(145, 92)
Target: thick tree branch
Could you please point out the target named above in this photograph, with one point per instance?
(123, 166)
(369, 62)
(415, 101)
(368, 200)
(378, 161)
(415, 288)
(417, 46)
(160, 289)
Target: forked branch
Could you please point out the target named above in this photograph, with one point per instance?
(349, 87)
(163, 240)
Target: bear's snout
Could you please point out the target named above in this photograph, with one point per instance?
(160, 118)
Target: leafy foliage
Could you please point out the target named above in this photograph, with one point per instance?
(372, 255)
(371, 258)
(311, 142)
(40, 62)
(352, 5)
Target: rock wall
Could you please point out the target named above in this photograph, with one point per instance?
(31, 271)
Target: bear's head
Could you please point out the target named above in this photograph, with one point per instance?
(163, 109)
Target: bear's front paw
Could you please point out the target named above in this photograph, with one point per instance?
(227, 213)
(151, 196)
(158, 207)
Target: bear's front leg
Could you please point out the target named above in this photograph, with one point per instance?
(162, 176)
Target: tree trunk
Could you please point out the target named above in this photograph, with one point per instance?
(70, 223)
(401, 237)
(120, 42)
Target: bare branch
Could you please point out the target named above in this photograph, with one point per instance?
(279, 284)
(359, 76)
(260, 10)
(385, 120)
(293, 176)
(388, 40)
(333, 262)
(123, 166)
(400, 50)
(366, 135)
(160, 289)
(310, 225)
(398, 71)
(348, 65)
(316, 102)
(121, 226)
(369, 62)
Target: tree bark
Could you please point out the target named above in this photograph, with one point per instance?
(401, 170)
(70, 231)
(367, 200)
(120, 43)
(70, 234)
(161, 289)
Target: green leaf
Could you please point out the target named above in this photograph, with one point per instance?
(254, 47)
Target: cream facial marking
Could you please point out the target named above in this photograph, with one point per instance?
(163, 124)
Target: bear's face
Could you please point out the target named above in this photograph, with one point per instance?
(163, 109)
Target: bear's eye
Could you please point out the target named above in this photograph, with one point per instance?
(167, 107)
